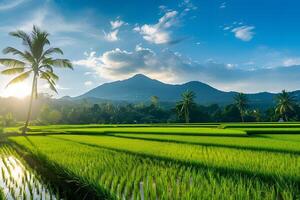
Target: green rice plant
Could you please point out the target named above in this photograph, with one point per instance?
(273, 143)
(159, 170)
(15, 178)
(278, 165)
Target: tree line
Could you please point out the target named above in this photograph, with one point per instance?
(37, 61)
(185, 111)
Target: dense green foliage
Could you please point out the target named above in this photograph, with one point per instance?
(63, 111)
(241, 102)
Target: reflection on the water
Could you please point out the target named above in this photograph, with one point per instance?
(17, 182)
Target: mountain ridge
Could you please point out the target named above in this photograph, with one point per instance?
(140, 88)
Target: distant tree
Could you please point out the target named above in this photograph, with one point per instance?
(54, 116)
(241, 102)
(230, 113)
(184, 106)
(286, 104)
(154, 101)
(9, 119)
(35, 60)
(44, 114)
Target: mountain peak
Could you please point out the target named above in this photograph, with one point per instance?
(139, 76)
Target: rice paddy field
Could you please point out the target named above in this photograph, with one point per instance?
(158, 161)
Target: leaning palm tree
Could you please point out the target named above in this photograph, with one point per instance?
(241, 102)
(35, 60)
(184, 106)
(285, 104)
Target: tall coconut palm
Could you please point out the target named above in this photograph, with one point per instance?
(241, 102)
(34, 61)
(285, 104)
(184, 106)
(154, 101)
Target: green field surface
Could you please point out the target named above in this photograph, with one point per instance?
(169, 161)
(273, 143)
(90, 129)
(120, 166)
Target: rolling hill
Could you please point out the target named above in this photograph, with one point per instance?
(140, 88)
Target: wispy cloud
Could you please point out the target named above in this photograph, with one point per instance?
(112, 35)
(223, 5)
(10, 4)
(240, 30)
(287, 62)
(49, 19)
(159, 33)
(244, 33)
(88, 83)
(116, 24)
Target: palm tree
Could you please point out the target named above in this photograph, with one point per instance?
(35, 60)
(285, 103)
(241, 102)
(154, 101)
(184, 106)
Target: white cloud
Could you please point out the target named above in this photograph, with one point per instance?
(10, 4)
(188, 5)
(226, 28)
(159, 33)
(88, 83)
(174, 68)
(91, 61)
(116, 24)
(291, 62)
(244, 33)
(49, 19)
(223, 5)
(119, 63)
(111, 36)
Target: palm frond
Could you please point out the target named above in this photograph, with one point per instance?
(47, 67)
(11, 63)
(24, 55)
(39, 40)
(20, 78)
(52, 51)
(15, 70)
(13, 51)
(51, 84)
(49, 74)
(24, 36)
(62, 63)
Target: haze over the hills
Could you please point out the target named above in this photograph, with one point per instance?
(141, 88)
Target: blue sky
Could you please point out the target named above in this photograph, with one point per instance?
(241, 45)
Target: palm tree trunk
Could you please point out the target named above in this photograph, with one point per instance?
(187, 117)
(286, 118)
(242, 117)
(30, 106)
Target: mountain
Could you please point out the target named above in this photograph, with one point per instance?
(141, 88)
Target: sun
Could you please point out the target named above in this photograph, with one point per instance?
(19, 90)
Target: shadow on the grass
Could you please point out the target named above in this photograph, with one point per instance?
(272, 179)
(68, 184)
(251, 148)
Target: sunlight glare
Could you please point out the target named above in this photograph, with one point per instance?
(19, 90)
